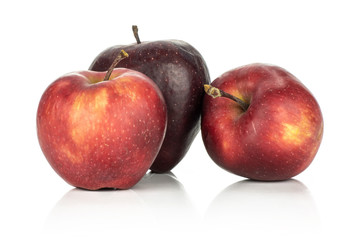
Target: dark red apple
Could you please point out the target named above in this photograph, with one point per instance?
(101, 131)
(266, 126)
(180, 72)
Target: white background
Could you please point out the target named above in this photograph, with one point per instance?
(317, 41)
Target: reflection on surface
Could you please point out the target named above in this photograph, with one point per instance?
(156, 199)
(265, 207)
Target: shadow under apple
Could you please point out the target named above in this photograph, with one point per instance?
(261, 208)
(158, 199)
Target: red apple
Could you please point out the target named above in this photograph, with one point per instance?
(180, 72)
(101, 131)
(266, 126)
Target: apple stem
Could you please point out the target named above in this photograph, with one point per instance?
(120, 57)
(215, 92)
(136, 33)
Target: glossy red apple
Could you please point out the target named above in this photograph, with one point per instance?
(180, 72)
(266, 126)
(101, 131)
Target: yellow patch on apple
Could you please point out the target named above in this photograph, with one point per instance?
(84, 112)
(124, 89)
(69, 155)
(297, 133)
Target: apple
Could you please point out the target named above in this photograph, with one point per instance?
(265, 125)
(180, 72)
(102, 129)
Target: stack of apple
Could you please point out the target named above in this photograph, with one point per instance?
(139, 108)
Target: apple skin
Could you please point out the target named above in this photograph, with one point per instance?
(101, 134)
(180, 72)
(279, 134)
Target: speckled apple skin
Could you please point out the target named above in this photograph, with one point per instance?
(279, 134)
(101, 134)
(180, 72)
